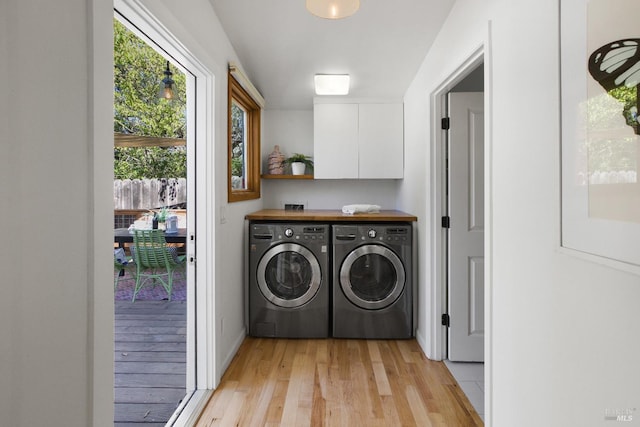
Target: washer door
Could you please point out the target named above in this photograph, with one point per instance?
(289, 275)
(372, 277)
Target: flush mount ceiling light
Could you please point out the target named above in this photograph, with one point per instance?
(333, 9)
(166, 89)
(331, 84)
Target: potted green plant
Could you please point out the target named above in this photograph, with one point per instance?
(299, 163)
(160, 217)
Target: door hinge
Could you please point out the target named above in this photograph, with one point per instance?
(446, 222)
(446, 320)
(445, 123)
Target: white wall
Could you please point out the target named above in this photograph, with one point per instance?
(292, 130)
(564, 332)
(47, 259)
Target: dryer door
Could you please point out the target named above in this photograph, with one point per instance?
(372, 277)
(289, 275)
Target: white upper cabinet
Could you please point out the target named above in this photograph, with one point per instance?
(380, 140)
(335, 136)
(358, 140)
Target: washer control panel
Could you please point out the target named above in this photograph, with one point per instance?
(305, 233)
(389, 234)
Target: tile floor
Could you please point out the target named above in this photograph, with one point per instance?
(470, 377)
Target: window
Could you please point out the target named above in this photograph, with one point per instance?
(244, 144)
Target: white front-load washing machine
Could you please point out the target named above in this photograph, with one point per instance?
(289, 280)
(372, 281)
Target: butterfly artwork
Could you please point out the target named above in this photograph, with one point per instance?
(600, 131)
(616, 66)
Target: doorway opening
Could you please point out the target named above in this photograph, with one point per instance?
(458, 247)
(199, 87)
(150, 192)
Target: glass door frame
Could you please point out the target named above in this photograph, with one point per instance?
(200, 87)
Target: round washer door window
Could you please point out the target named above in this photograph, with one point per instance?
(372, 277)
(289, 275)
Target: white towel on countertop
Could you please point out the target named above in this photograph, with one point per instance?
(361, 208)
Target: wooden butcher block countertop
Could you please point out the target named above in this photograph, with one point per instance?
(329, 215)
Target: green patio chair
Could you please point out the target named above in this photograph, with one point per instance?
(121, 263)
(155, 260)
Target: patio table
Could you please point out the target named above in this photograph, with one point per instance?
(122, 236)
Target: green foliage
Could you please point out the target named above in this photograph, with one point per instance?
(162, 214)
(150, 162)
(238, 116)
(138, 73)
(610, 148)
(237, 166)
(301, 158)
(629, 98)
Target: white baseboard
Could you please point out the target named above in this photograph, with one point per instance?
(231, 354)
(422, 342)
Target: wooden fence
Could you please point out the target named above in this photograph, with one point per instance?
(131, 194)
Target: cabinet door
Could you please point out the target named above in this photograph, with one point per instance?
(381, 141)
(335, 141)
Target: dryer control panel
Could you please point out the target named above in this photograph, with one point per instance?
(397, 234)
(388, 233)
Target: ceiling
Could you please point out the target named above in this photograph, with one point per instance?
(281, 46)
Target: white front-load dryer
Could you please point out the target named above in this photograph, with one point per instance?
(372, 281)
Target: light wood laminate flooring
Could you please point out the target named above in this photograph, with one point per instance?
(336, 382)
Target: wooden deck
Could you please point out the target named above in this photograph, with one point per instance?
(150, 361)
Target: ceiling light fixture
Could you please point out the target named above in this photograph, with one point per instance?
(166, 90)
(331, 84)
(333, 9)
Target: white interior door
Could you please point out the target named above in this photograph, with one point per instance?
(466, 232)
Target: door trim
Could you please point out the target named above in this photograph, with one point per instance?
(439, 200)
(438, 284)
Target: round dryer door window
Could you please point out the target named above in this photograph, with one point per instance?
(289, 275)
(372, 277)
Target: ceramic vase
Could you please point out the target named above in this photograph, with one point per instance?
(276, 162)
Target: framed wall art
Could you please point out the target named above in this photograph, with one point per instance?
(600, 84)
